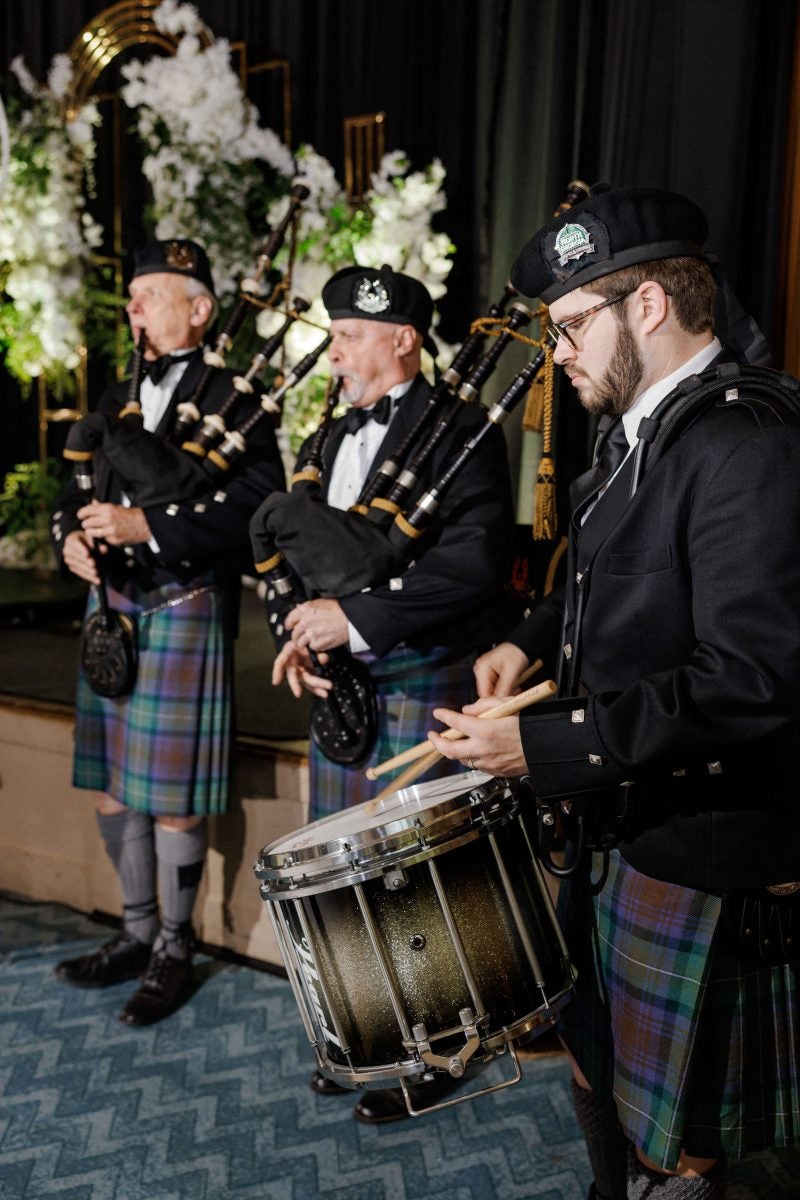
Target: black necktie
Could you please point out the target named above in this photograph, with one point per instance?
(354, 418)
(611, 452)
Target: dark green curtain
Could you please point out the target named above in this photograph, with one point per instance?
(517, 97)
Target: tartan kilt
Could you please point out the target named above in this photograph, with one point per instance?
(165, 748)
(408, 686)
(700, 1050)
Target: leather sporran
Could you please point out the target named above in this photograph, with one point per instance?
(109, 653)
(763, 924)
(344, 726)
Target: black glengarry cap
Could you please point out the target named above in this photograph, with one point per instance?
(177, 256)
(612, 228)
(380, 295)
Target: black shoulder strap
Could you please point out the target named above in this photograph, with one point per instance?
(773, 397)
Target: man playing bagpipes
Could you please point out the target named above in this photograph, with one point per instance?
(160, 754)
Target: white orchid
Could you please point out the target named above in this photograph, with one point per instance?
(46, 233)
(206, 151)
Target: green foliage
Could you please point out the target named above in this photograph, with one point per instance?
(29, 493)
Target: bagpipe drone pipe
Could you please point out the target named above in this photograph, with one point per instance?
(180, 467)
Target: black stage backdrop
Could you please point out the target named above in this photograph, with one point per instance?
(517, 97)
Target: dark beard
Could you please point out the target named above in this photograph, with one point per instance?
(616, 391)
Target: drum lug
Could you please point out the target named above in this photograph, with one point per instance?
(454, 1064)
(395, 879)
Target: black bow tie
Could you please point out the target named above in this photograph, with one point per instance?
(158, 367)
(354, 418)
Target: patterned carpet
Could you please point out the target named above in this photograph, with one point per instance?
(213, 1102)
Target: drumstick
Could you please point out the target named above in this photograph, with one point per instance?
(406, 777)
(505, 709)
(513, 704)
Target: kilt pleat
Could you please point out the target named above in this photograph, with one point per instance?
(699, 1050)
(165, 749)
(408, 685)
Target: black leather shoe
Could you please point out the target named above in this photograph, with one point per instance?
(388, 1104)
(165, 985)
(121, 958)
(322, 1086)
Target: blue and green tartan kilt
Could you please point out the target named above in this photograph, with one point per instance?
(700, 1050)
(165, 748)
(408, 685)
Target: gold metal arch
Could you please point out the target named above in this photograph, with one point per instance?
(127, 23)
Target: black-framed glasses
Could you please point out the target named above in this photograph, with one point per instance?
(554, 330)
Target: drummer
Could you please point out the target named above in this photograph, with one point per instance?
(418, 633)
(687, 686)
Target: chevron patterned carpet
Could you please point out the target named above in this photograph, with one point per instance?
(213, 1103)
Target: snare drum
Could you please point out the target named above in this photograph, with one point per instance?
(418, 934)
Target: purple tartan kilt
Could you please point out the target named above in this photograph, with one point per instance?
(702, 1051)
(409, 685)
(165, 749)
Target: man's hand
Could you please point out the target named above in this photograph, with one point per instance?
(114, 524)
(497, 671)
(78, 557)
(318, 625)
(493, 745)
(294, 665)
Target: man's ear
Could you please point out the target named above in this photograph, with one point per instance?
(652, 305)
(201, 310)
(404, 340)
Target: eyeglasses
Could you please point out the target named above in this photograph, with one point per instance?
(554, 330)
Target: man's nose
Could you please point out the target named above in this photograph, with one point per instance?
(563, 351)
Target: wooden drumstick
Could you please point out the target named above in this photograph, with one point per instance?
(426, 759)
(509, 706)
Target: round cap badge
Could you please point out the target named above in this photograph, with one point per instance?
(371, 296)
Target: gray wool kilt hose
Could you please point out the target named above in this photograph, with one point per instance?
(699, 1050)
(165, 748)
(408, 685)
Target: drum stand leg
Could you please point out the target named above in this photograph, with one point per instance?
(484, 1091)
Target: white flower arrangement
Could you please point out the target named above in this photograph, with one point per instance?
(205, 148)
(210, 167)
(392, 225)
(46, 233)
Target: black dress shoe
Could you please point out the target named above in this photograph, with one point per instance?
(121, 958)
(165, 985)
(388, 1104)
(322, 1086)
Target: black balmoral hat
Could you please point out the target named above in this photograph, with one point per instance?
(179, 256)
(612, 228)
(380, 295)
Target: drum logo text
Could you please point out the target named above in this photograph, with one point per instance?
(312, 981)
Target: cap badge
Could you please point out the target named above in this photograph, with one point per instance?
(573, 241)
(371, 297)
(179, 256)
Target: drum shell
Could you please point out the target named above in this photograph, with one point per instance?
(438, 952)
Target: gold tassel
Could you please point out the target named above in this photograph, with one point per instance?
(545, 522)
(533, 416)
(544, 502)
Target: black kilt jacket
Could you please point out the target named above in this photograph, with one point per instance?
(690, 662)
(209, 532)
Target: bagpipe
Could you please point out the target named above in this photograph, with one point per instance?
(297, 536)
(198, 457)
